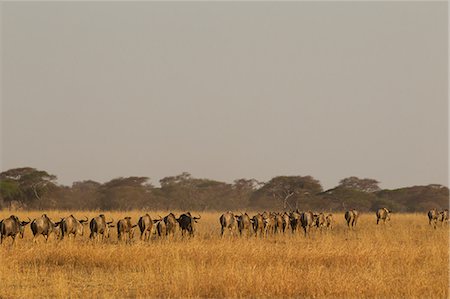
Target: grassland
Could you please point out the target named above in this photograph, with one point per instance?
(405, 258)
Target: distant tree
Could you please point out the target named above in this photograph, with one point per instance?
(242, 192)
(182, 179)
(287, 190)
(417, 198)
(25, 185)
(188, 193)
(84, 195)
(342, 199)
(364, 185)
(125, 193)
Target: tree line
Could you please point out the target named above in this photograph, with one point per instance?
(30, 188)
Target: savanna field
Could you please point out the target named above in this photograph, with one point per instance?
(405, 258)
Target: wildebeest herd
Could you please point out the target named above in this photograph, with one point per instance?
(99, 227)
(269, 223)
(261, 224)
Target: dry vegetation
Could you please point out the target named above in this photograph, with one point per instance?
(405, 258)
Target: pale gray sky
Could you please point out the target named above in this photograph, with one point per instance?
(227, 90)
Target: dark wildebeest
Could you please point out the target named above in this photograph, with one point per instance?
(258, 224)
(11, 227)
(307, 220)
(244, 223)
(171, 224)
(99, 226)
(294, 220)
(227, 221)
(125, 230)
(320, 220)
(187, 223)
(383, 214)
(433, 216)
(44, 226)
(145, 224)
(443, 216)
(286, 221)
(351, 217)
(329, 221)
(71, 226)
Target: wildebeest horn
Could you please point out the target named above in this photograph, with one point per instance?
(112, 220)
(197, 217)
(23, 223)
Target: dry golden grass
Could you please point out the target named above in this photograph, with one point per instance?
(405, 258)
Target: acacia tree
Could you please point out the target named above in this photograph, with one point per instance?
(242, 191)
(186, 192)
(287, 190)
(364, 185)
(125, 193)
(26, 185)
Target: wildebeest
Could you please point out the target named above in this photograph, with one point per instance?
(443, 216)
(278, 223)
(171, 224)
(269, 224)
(99, 226)
(244, 224)
(307, 220)
(383, 214)
(433, 216)
(161, 228)
(11, 227)
(351, 217)
(320, 220)
(329, 221)
(227, 221)
(294, 219)
(44, 226)
(286, 221)
(145, 224)
(258, 224)
(125, 230)
(71, 226)
(187, 223)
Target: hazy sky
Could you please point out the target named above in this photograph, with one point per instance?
(227, 90)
